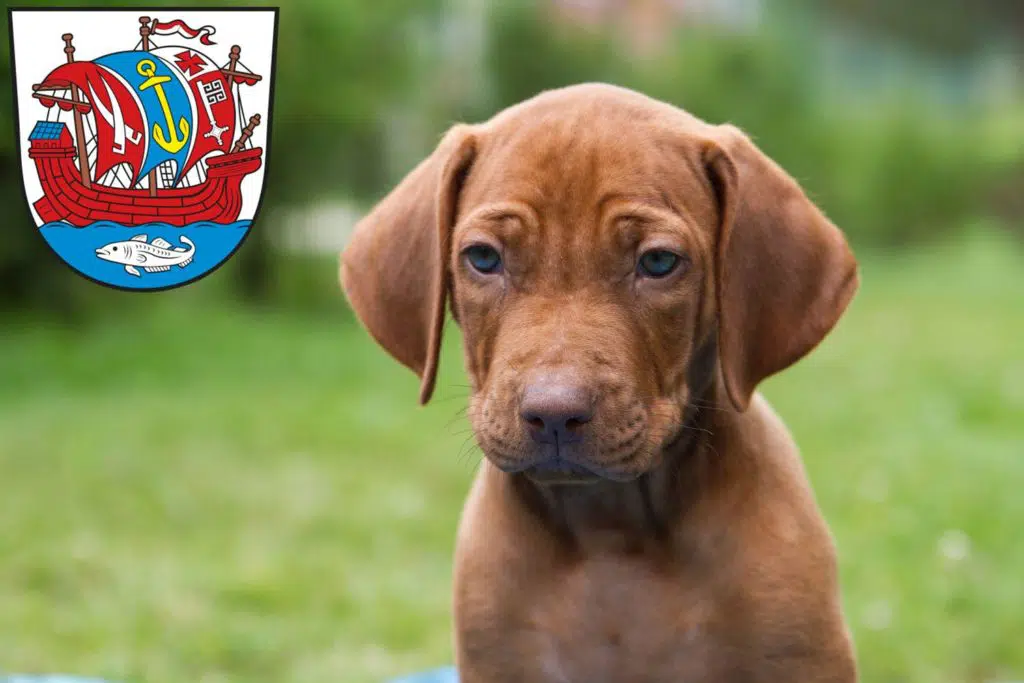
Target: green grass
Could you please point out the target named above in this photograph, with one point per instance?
(203, 494)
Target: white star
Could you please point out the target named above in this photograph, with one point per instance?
(215, 131)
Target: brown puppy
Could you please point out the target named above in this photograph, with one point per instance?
(625, 275)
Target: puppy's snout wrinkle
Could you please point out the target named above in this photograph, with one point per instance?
(555, 406)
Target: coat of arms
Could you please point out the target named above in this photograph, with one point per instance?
(143, 138)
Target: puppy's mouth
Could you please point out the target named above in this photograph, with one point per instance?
(559, 471)
(555, 465)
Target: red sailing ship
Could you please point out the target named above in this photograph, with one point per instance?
(154, 136)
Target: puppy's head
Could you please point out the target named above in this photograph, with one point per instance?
(604, 254)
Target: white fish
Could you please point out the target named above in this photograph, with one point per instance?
(152, 257)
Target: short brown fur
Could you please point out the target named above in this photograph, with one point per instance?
(700, 554)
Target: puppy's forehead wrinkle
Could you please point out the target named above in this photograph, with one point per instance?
(577, 159)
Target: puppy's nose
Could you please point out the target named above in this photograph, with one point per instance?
(555, 408)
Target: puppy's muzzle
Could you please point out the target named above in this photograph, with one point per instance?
(555, 408)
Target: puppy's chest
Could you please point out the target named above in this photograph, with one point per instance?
(614, 622)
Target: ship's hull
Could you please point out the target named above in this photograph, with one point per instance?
(66, 198)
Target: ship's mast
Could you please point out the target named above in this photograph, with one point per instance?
(236, 52)
(233, 71)
(144, 32)
(254, 121)
(230, 73)
(83, 158)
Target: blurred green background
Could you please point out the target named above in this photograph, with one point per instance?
(229, 482)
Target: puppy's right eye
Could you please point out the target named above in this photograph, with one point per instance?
(658, 263)
(483, 259)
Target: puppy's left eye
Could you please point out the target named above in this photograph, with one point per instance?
(657, 263)
(483, 258)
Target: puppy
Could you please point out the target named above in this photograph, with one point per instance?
(625, 275)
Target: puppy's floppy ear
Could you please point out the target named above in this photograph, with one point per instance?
(394, 269)
(784, 272)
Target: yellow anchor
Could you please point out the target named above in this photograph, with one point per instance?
(147, 68)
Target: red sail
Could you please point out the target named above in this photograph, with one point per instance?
(120, 127)
(212, 98)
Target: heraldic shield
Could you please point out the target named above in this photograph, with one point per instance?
(143, 136)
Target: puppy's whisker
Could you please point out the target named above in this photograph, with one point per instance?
(459, 415)
(691, 428)
(705, 405)
(466, 450)
(457, 421)
(447, 399)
